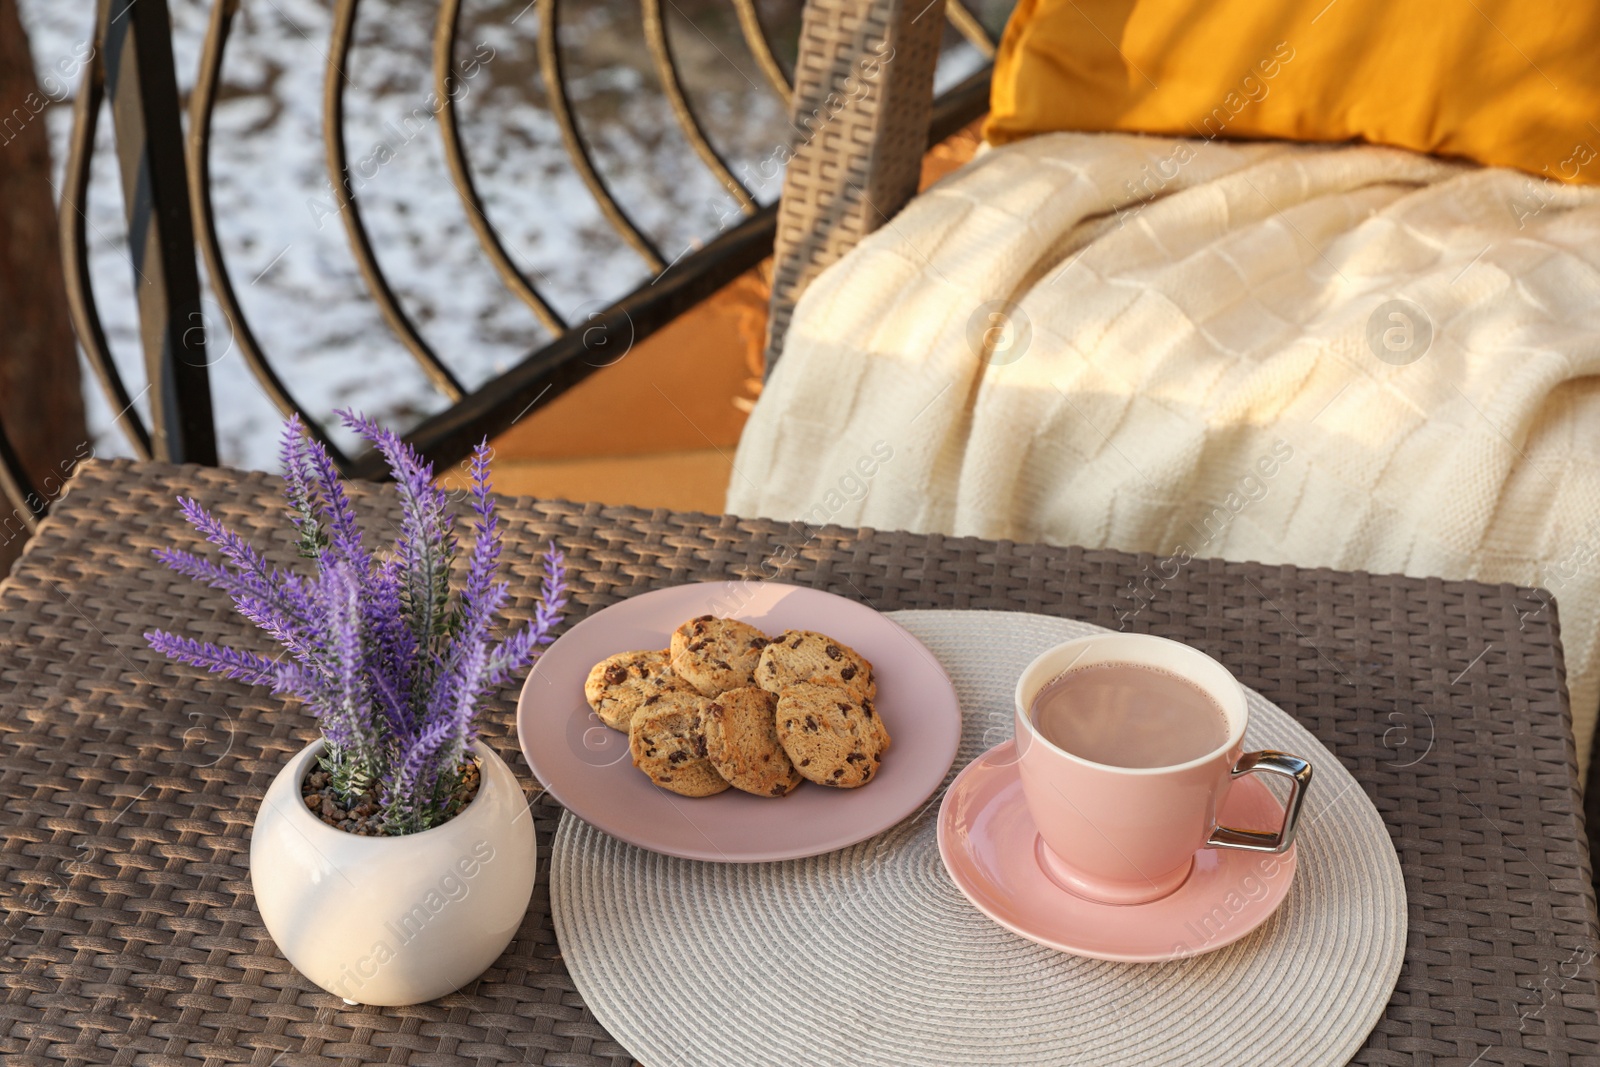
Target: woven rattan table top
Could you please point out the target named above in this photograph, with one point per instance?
(129, 785)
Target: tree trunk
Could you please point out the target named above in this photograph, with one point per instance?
(41, 398)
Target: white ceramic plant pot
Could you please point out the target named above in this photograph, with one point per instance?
(393, 920)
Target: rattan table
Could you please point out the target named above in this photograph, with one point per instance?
(129, 784)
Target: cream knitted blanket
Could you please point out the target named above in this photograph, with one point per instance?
(1346, 356)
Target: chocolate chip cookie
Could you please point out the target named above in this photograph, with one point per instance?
(618, 686)
(669, 745)
(831, 736)
(742, 742)
(715, 655)
(807, 656)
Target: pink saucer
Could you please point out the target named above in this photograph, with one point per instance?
(991, 848)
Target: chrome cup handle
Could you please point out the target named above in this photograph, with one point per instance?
(1298, 771)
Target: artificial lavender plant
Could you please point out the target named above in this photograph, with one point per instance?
(392, 665)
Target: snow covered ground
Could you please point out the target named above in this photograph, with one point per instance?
(287, 253)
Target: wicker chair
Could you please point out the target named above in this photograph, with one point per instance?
(857, 173)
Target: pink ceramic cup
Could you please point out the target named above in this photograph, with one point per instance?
(1126, 835)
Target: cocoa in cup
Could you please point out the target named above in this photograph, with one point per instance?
(1158, 729)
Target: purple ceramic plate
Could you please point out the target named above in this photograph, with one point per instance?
(586, 765)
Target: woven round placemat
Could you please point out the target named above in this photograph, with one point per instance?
(871, 955)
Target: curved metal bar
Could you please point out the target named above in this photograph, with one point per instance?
(755, 38)
(345, 199)
(549, 371)
(29, 505)
(655, 33)
(445, 85)
(561, 108)
(75, 257)
(967, 24)
(201, 105)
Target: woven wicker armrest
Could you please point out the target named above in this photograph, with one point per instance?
(863, 97)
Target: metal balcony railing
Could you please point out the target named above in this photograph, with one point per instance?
(166, 186)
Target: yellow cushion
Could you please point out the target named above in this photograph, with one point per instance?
(1512, 84)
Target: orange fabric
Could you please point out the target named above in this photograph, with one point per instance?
(1512, 84)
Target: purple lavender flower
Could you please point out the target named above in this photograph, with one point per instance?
(394, 668)
(231, 663)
